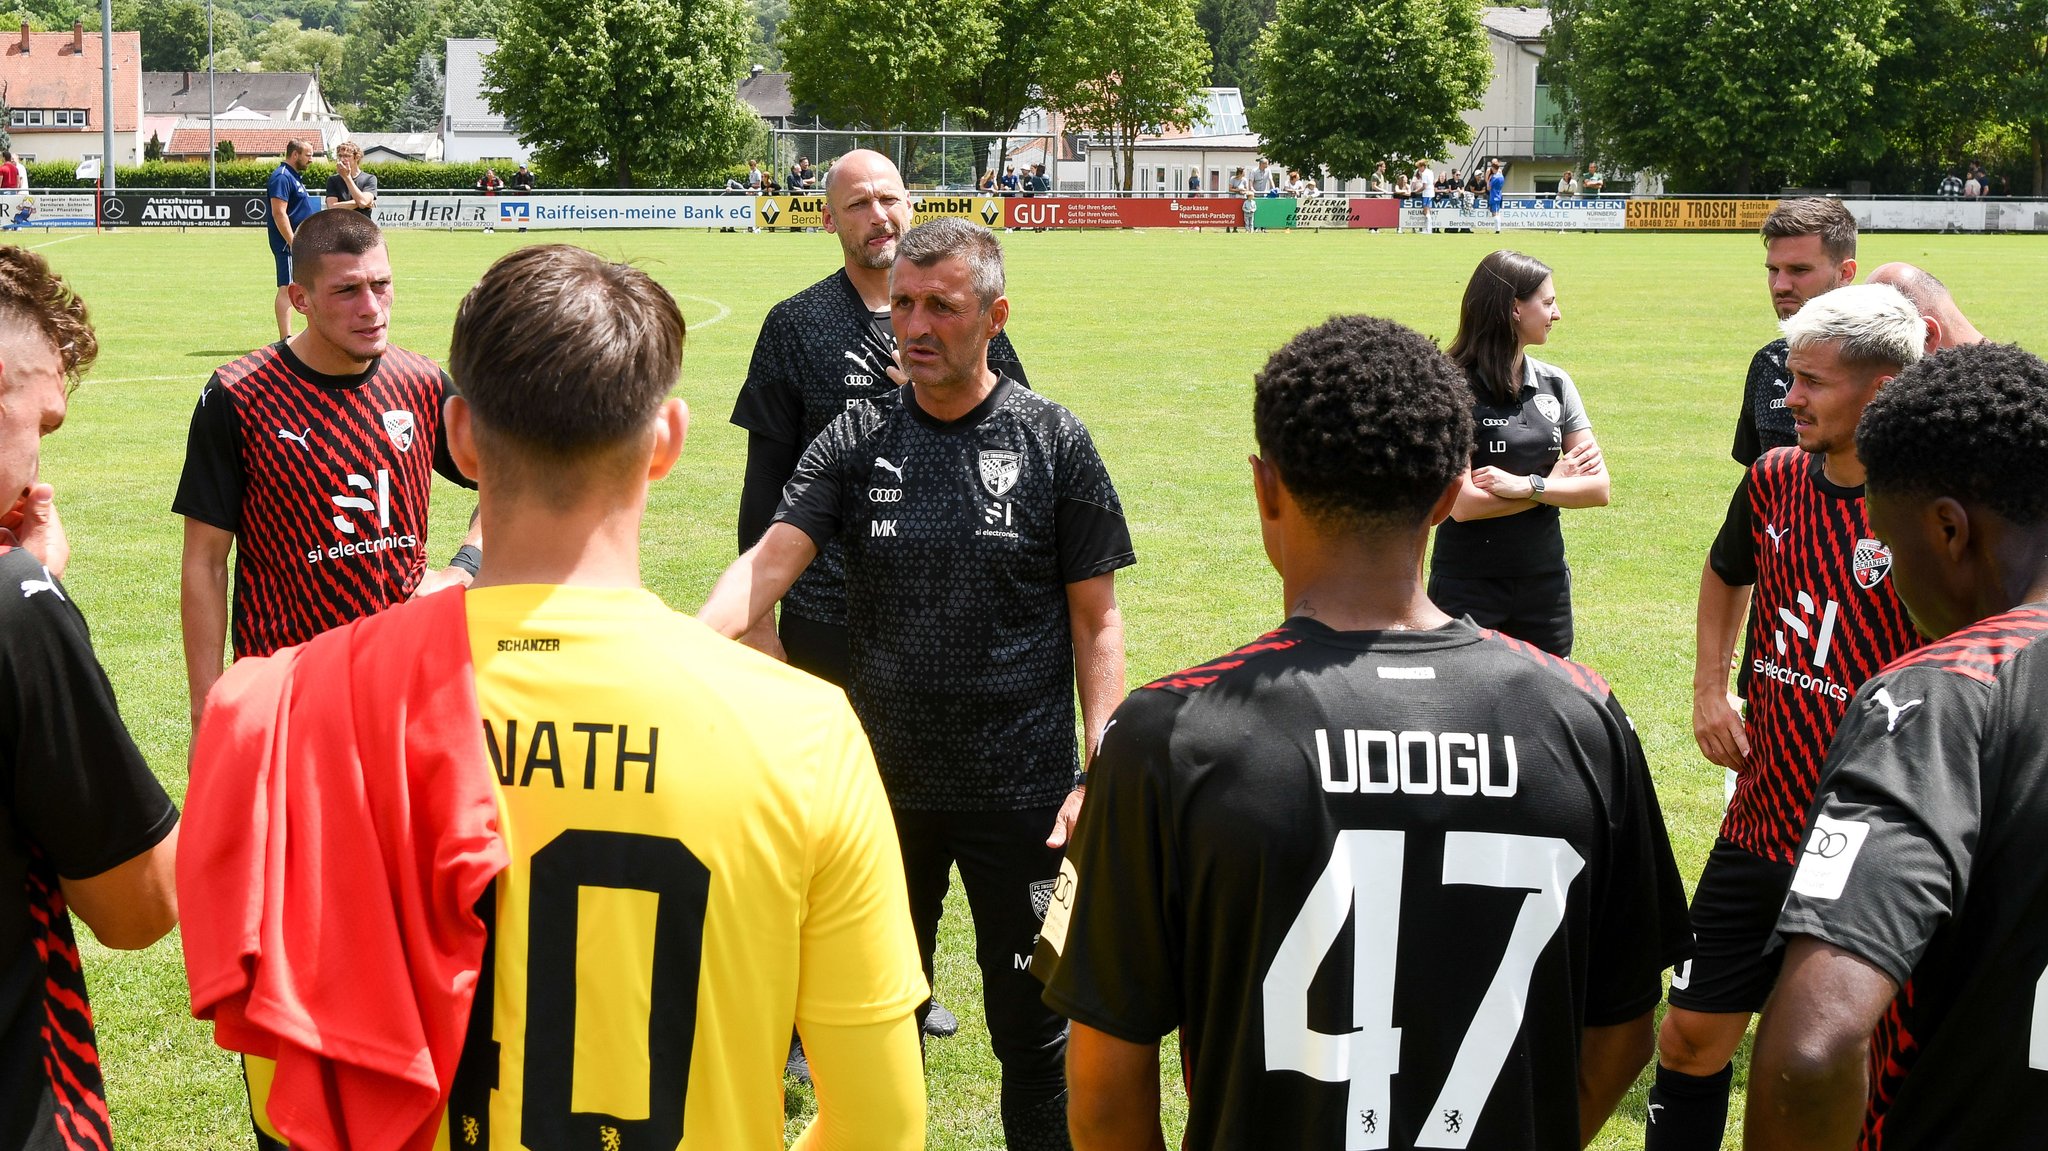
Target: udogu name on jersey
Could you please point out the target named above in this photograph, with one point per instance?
(1416, 762)
(520, 751)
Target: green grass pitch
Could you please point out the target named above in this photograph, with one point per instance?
(1151, 337)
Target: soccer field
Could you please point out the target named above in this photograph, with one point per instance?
(1150, 337)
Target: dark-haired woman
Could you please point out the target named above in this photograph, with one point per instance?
(1500, 557)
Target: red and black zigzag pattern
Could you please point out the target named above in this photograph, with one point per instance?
(288, 510)
(1208, 673)
(71, 1060)
(1978, 651)
(1893, 1050)
(1577, 674)
(1805, 541)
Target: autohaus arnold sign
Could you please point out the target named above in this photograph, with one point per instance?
(184, 210)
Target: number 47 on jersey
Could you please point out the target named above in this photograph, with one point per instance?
(1369, 1057)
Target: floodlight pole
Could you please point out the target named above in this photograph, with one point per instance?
(107, 89)
(211, 147)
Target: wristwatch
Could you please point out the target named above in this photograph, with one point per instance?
(1536, 485)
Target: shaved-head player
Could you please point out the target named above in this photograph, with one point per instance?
(1947, 327)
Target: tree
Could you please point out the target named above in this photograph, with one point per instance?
(1349, 84)
(1725, 94)
(636, 90)
(1003, 84)
(286, 47)
(764, 46)
(381, 48)
(422, 108)
(173, 35)
(2018, 71)
(1232, 28)
(1125, 68)
(884, 63)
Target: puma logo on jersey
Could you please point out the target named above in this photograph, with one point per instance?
(301, 439)
(892, 469)
(1893, 708)
(48, 583)
(859, 359)
(1777, 535)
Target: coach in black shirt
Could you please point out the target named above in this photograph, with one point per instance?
(819, 353)
(982, 534)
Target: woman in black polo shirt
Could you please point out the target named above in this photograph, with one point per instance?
(1500, 557)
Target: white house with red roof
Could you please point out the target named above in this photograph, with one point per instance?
(51, 82)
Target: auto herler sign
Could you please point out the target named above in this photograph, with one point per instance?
(184, 210)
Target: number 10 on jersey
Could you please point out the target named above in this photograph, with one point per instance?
(1363, 882)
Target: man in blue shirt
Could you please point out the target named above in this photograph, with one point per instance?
(1496, 184)
(289, 207)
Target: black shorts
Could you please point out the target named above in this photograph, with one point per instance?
(1734, 917)
(1535, 609)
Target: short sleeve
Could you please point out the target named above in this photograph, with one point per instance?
(1112, 947)
(769, 403)
(444, 460)
(860, 961)
(336, 189)
(367, 184)
(1749, 444)
(1888, 848)
(279, 185)
(1640, 926)
(1733, 556)
(76, 784)
(1573, 417)
(1088, 521)
(210, 488)
(811, 498)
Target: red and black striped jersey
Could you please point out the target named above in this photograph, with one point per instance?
(324, 480)
(1924, 858)
(1823, 619)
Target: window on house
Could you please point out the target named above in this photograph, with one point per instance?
(17, 119)
(62, 117)
(35, 118)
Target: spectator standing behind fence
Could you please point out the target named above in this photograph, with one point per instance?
(350, 186)
(11, 177)
(1194, 181)
(1500, 558)
(1594, 181)
(1424, 187)
(1262, 179)
(1569, 186)
(1010, 182)
(1378, 185)
(987, 184)
(522, 181)
(801, 178)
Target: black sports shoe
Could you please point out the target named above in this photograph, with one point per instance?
(797, 1065)
(941, 1023)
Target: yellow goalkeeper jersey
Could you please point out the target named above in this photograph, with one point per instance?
(701, 856)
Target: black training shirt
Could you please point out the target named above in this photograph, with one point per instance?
(819, 353)
(961, 539)
(1924, 857)
(1380, 882)
(1523, 438)
(1764, 423)
(76, 799)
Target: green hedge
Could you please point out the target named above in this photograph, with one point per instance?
(253, 174)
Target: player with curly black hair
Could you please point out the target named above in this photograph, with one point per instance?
(1455, 826)
(1936, 785)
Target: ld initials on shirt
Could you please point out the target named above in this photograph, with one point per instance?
(382, 507)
